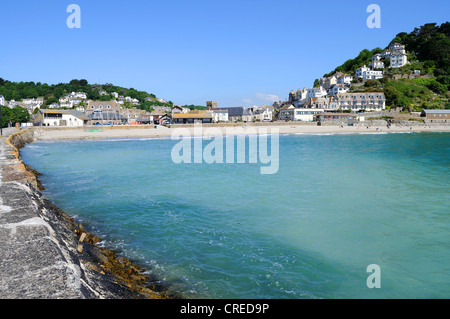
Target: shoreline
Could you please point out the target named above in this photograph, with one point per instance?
(152, 131)
(114, 276)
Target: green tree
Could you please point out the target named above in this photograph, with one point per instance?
(316, 83)
(5, 116)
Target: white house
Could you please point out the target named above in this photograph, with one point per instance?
(77, 95)
(2, 100)
(345, 79)
(376, 57)
(306, 114)
(218, 116)
(361, 70)
(338, 88)
(398, 60)
(386, 54)
(397, 48)
(376, 65)
(12, 104)
(316, 92)
(298, 98)
(263, 114)
(372, 75)
(33, 102)
(69, 118)
(367, 74)
(370, 101)
(54, 105)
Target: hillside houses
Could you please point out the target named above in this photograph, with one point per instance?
(349, 101)
(397, 55)
(366, 73)
(335, 91)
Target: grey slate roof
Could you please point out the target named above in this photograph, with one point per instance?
(232, 111)
(437, 111)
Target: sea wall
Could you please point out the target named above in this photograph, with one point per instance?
(46, 254)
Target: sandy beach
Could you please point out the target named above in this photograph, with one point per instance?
(107, 132)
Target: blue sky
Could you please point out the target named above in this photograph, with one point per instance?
(237, 52)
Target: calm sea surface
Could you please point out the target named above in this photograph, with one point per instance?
(338, 204)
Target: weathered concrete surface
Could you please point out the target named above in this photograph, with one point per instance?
(39, 244)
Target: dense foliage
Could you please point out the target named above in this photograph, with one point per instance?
(52, 93)
(15, 115)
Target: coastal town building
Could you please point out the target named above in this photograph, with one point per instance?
(192, 118)
(157, 115)
(287, 113)
(99, 117)
(306, 114)
(263, 114)
(372, 75)
(319, 102)
(12, 104)
(398, 57)
(298, 98)
(235, 114)
(376, 65)
(163, 120)
(397, 48)
(337, 118)
(436, 115)
(163, 109)
(338, 88)
(219, 116)
(376, 57)
(54, 105)
(31, 104)
(108, 106)
(211, 105)
(398, 60)
(316, 92)
(366, 73)
(177, 109)
(360, 71)
(376, 62)
(2, 100)
(68, 118)
(369, 101)
(146, 119)
(345, 79)
(327, 82)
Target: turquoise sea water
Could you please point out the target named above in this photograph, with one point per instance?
(337, 204)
